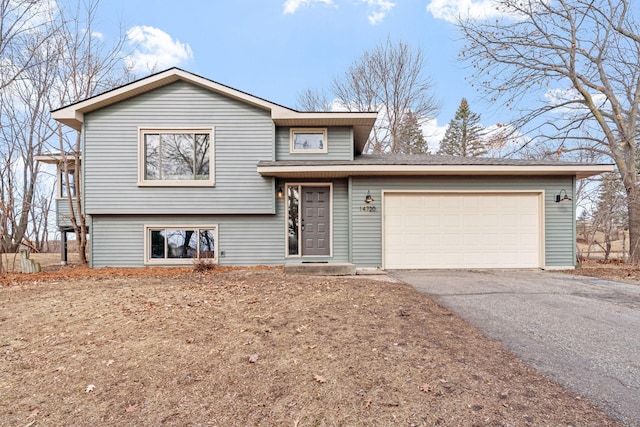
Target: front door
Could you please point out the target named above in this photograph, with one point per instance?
(316, 221)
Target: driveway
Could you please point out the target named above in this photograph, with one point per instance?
(582, 332)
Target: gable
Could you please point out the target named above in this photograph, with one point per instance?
(73, 115)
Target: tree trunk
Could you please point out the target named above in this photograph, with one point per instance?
(633, 205)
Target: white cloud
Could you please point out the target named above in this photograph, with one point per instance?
(378, 9)
(452, 10)
(557, 97)
(381, 9)
(291, 6)
(33, 14)
(433, 134)
(98, 35)
(155, 50)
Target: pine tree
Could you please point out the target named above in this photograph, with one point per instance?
(410, 138)
(463, 137)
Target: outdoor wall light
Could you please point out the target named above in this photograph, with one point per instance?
(368, 198)
(280, 193)
(561, 198)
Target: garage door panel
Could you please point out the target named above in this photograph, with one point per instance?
(462, 230)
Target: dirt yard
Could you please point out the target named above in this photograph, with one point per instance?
(255, 348)
(613, 270)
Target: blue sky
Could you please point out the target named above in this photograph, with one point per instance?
(274, 49)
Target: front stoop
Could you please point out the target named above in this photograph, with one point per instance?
(321, 269)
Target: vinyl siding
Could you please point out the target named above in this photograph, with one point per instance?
(558, 217)
(246, 240)
(118, 240)
(339, 145)
(63, 213)
(243, 135)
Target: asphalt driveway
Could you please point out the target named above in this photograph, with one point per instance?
(581, 331)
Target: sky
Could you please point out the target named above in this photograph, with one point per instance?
(275, 49)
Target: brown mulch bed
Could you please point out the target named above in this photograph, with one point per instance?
(255, 347)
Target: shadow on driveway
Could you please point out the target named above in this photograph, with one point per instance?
(581, 331)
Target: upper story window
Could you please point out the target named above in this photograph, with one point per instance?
(307, 140)
(180, 157)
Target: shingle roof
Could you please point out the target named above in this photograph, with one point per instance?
(425, 164)
(422, 160)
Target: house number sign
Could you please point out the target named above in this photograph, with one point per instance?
(367, 208)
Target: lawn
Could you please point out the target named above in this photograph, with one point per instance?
(255, 347)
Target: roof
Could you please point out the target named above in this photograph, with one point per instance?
(362, 122)
(425, 164)
(55, 158)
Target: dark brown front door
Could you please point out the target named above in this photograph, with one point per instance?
(316, 220)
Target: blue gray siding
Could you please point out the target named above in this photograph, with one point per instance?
(243, 135)
(118, 240)
(558, 217)
(339, 145)
(63, 213)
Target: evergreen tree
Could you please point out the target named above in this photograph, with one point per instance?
(410, 138)
(464, 134)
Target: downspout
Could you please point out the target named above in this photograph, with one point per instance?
(573, 220)
(350, 215)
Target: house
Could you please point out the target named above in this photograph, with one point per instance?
(177, 167)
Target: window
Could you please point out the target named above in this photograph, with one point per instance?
(63, 183)
(181, 245)
(176, 157)
(306, 140)
(293, 220)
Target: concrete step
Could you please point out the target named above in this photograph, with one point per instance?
(321, 269)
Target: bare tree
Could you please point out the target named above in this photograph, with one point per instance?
(610, 216)
(87, 67)
(313, 100)
(582, 57)
(53, 58)
(24, 26)
(24, 129)
(390, 79)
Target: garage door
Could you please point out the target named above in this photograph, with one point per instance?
(461, 230)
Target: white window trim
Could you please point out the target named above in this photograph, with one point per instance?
(292, 133)
(177, 261)
(286, 219)
(142, 182)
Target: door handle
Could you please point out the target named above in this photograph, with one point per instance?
(302, 225)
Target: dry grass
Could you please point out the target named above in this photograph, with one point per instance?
(171, 347)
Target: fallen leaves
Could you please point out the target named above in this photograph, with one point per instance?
(320, 355)
(319, 379)
(426, 388)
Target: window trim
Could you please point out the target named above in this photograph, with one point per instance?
(293, 131)
(177, 261)
(142, 182)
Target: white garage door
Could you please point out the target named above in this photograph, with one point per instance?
(461, 230)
